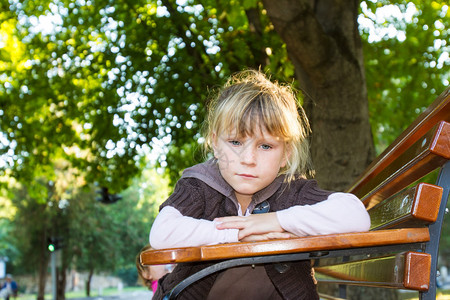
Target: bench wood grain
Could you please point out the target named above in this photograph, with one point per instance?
(412, 207)
(393, 271)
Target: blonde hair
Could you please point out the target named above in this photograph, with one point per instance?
(249, 99)
(140, 268)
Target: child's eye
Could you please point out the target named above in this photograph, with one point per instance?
(234, 143)
(266, 147)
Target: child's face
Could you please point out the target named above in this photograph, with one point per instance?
(146, 273)
(249, 163)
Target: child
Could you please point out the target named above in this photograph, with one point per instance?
(149, 275)
(258, 134)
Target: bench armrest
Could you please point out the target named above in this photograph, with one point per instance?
(285, 246)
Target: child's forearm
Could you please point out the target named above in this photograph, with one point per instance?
(265, 226)
(172, 229)
(340, 213)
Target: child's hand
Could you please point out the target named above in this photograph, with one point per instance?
(267, 236)
(254, 225)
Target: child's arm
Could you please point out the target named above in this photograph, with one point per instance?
(254, 228)
(340, 213)
(171, 229)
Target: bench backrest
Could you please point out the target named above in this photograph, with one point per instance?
(373, 176)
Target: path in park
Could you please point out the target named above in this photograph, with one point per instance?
(137, 295)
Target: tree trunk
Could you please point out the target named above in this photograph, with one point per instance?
(41, 285)
(88, 283)
(324, 45)
(61, 281)
(43, 263)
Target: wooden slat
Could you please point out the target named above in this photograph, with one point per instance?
(424, 156)
(410, 270)
(168, 256)
(411, 207)
(438, 111)
(284, 246)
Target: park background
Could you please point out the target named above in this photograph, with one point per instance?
(102, 94)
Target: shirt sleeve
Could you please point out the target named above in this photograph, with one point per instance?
(171, 229)
(339, 213)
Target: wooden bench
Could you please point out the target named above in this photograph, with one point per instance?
(400, 250)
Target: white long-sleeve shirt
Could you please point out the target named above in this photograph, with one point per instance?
(340, 213)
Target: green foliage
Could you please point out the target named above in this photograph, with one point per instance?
(96, 237)
(28, 231)
(108, 237)
(7, 245)
(108, 78)
(405, 73)
(128, 275)
(7, 241)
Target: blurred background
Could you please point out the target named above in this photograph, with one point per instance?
(102, 102)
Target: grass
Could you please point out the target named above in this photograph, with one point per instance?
(82, 294)
(440, 295)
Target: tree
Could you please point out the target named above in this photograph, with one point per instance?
(107, 237)
(96, 237)
(110, 78)
(102, 81)
(31, 227)
(406, 54)
(107, 92)
(7, 244)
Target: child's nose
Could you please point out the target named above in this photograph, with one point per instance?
(248, 156)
